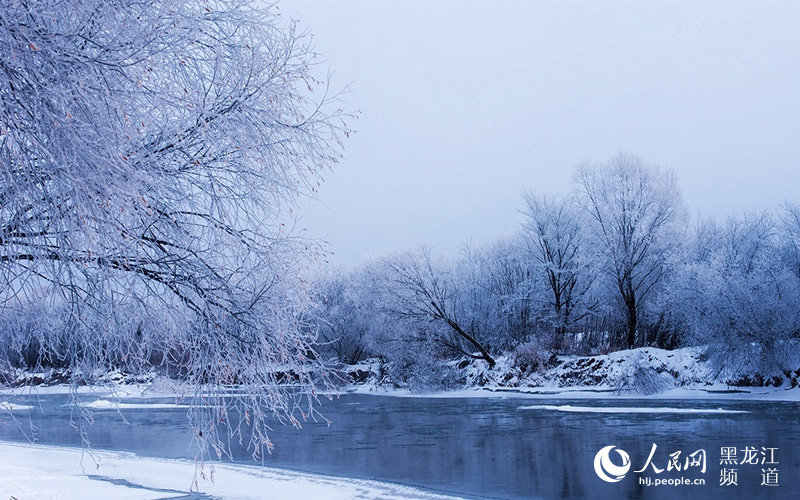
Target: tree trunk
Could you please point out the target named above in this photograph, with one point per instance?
(438, 312)
(632, 325)
(484, 353)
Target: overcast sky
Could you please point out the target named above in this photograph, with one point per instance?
(465, 103)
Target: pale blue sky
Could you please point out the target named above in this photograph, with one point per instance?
(465, 103)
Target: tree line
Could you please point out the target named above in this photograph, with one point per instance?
(617, 263)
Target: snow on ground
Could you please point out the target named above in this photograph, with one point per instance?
(50, 473)
(627, 409)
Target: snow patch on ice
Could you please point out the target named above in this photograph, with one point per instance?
(5, 405)
(102, 404)
(627, 410)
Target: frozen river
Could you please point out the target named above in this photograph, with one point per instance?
(499, 447)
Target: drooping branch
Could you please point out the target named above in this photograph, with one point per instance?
(151, 157)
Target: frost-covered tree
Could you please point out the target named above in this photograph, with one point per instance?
(742, 302)
(151, 153)
(497, 293)
(790, 236)
(557, 244)
(631, 208)
(705, 240)
(746, 240)
(346, 313)
(418, 290)
(676, 299)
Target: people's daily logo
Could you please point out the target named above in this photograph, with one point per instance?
(606, 469)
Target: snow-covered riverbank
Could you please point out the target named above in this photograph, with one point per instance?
(48, 472)
(654, 373)
(679, 374)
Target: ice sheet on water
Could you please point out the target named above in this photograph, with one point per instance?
(5, 405)
(103, 404)
(629, 409)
